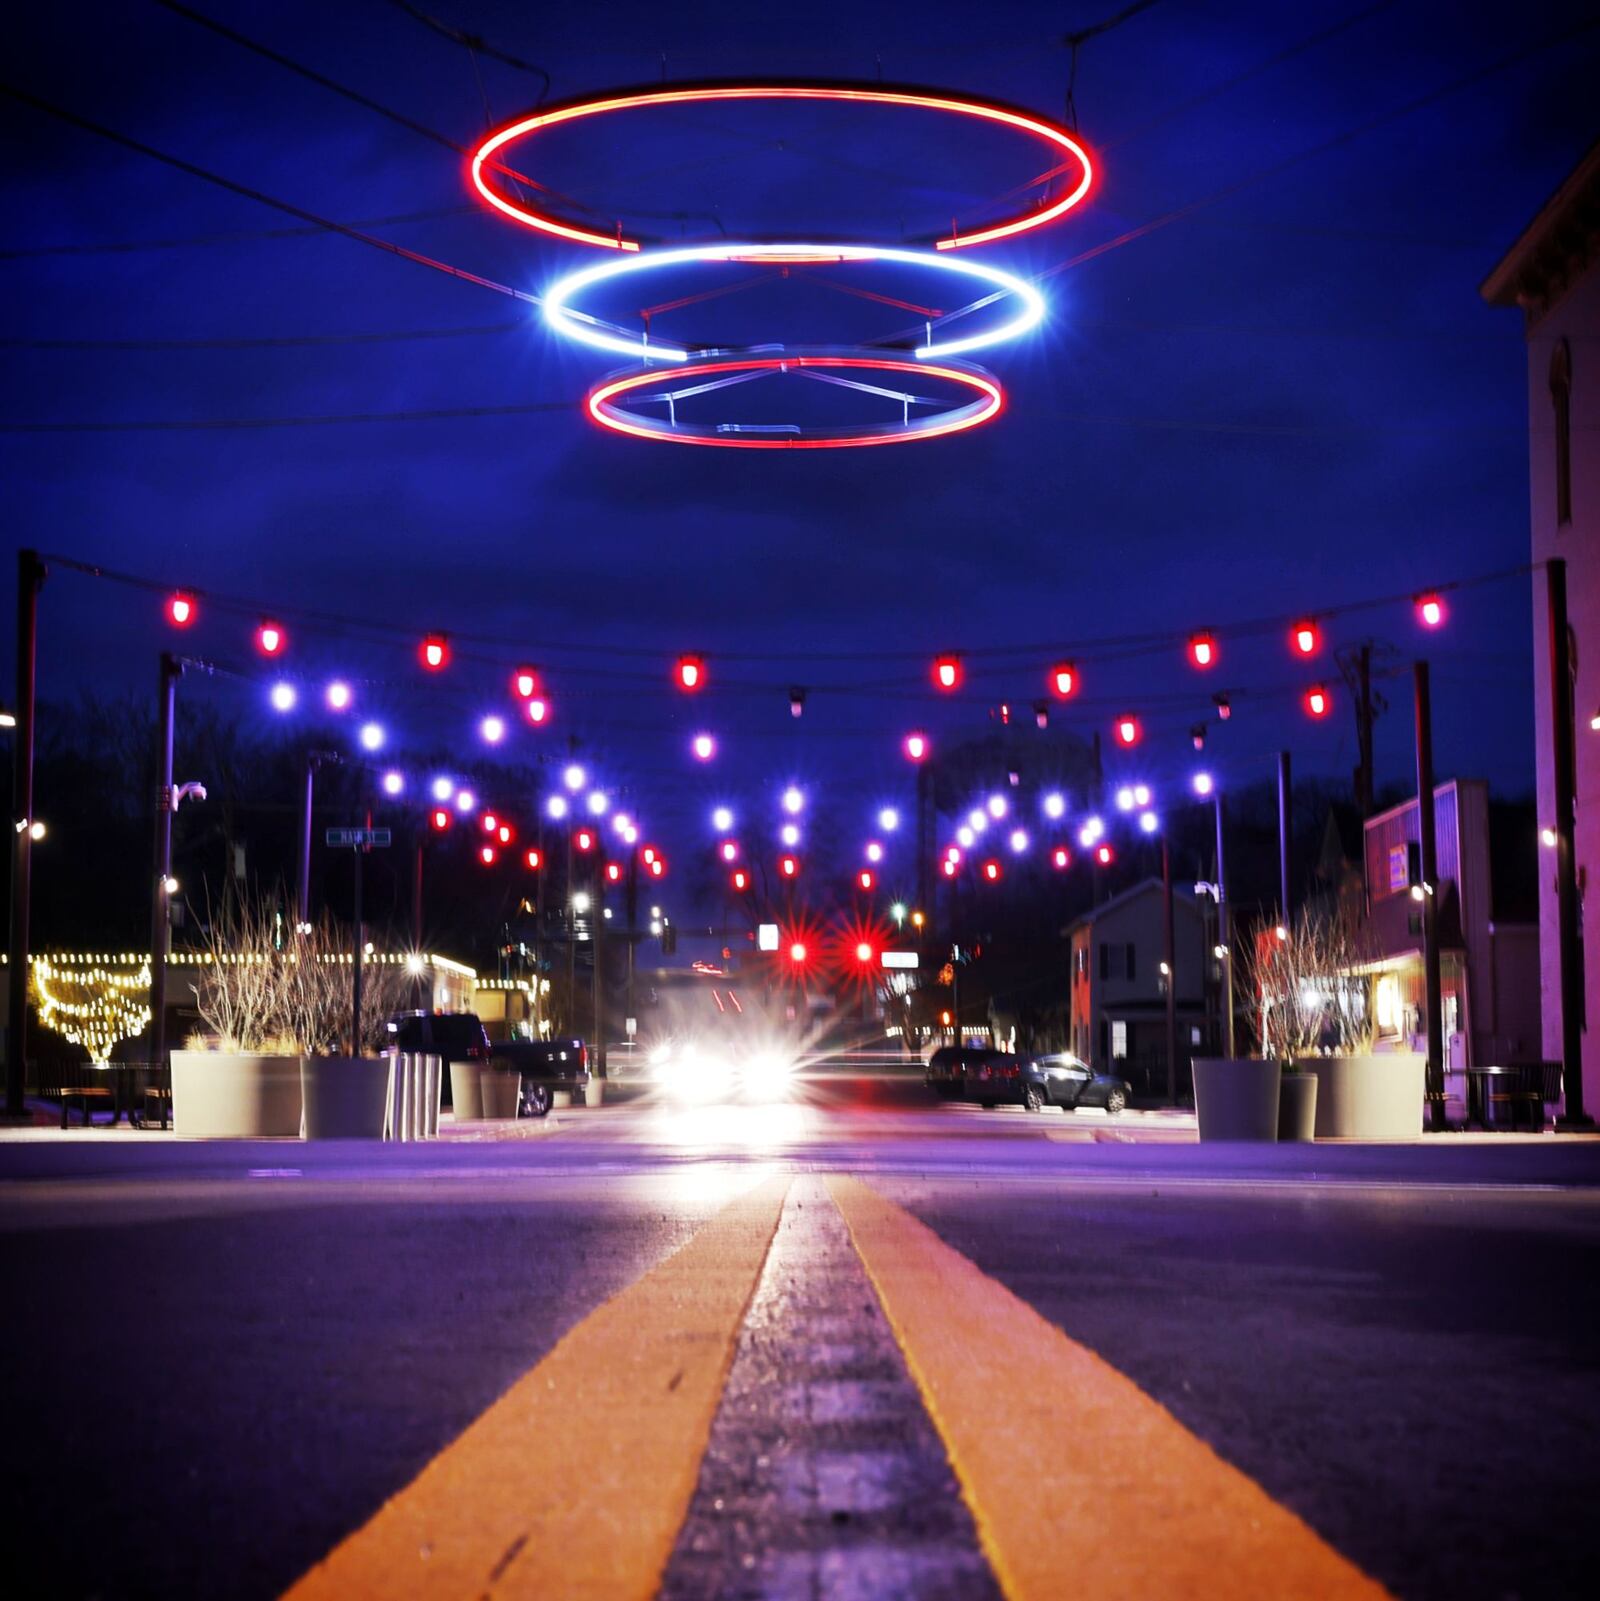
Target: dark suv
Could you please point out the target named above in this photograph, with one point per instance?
(543, 1066)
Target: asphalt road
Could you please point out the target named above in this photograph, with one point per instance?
(223, 1360)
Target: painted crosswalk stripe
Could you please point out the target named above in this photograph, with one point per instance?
(1081, 1485)
(575, 1482)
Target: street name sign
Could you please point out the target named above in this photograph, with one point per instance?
(351, 837)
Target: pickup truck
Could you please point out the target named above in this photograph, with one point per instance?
(544, 1066)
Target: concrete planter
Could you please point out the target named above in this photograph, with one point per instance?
(346, 1097)
(594, 1092)
(466, 1095)
(1368, 1097)
(217, 1095)
(1297, 1107)
(1236, 1098)
(500, 1091)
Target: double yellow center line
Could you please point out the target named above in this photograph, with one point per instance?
(576, 1481)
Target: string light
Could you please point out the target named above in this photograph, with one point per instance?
(1203, 650)
(181, 609)
(691, 673)
(1305, 638)
(1430, 609)
(434, 652)
(1064, 680)
(271, 638)
(947, 672)
(1127, 730)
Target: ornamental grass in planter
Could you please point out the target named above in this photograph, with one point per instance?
(277, 1015)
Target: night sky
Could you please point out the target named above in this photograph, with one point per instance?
(1289, 398)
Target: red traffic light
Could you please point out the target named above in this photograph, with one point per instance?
(947, 672)
(1064, 680)
(691, 673)
(525, 682)
(534, 860)
(181, 609)
(271, 638)
(434, 652)
(1127, 730)
(1203, 650)
(1430, 610)
(440, 819)
(1305, 638)
(1318, 701)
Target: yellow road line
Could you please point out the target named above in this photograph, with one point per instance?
(576, 1481)
(1081, 1485)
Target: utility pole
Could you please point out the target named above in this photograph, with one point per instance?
(1433, 996)
(1168, 945)
(314, 760)
(355, 957)
(1285, 836)
(30, 578)
(597, 910)
(161, 901)
(1564, 822)
(1224, 931)
(1357, 670)
(924, 833)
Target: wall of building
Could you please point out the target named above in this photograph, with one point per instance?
(1575, 319)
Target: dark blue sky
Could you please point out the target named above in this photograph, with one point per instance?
(1288, 399)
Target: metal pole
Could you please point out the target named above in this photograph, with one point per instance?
(161, 910)
(30, 576)
(924, 835)
(1364, 732)
(416, 896)
(1564, 822)
(1285, 837)
(570, 922)
(1433, 996)
(633, 927)
(355, 962)
(597, 908)
(1168, 943)
(1224, 932)
(304, 905)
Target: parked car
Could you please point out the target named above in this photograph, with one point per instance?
(990, 1077)
(1066, 1080)
(544, 1066)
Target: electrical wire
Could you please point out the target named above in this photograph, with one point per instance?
(85, 124)
(266, 341)
(233, 424)
(476, 44)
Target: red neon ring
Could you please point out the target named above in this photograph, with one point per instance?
(1056, 137)
(991, 400)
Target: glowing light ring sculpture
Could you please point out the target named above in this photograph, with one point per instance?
(578, 325)
(494, 154)
(601, 403)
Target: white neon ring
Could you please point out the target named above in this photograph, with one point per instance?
(561, 317)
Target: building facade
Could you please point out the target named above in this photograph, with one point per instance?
(1552, 273)
(1489, 967)
(1118, 1014)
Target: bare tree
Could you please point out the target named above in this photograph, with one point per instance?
(1309, 990)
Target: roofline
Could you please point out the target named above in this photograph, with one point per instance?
(1501, 287)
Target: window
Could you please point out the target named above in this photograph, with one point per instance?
(1119, 1039)
(1561, 401)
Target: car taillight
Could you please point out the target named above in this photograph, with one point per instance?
(474, 1051)
(583, 1056)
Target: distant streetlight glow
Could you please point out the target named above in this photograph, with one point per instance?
(1204, 784)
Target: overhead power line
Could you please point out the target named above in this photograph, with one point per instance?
(100, 131)
(267, 341)
(476, 43)
(228, 424)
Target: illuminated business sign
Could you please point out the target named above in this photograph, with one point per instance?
(899, 958)
(766, 936)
